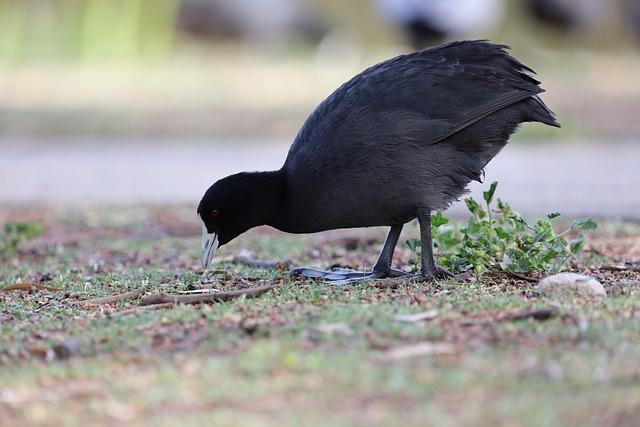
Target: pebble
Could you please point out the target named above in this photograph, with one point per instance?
(571, 285)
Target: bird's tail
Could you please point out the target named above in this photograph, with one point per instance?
(539, 112)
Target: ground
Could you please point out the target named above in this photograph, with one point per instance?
(490, 352)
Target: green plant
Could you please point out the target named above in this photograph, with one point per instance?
(499, 238)
(86, 30)
(13, 234)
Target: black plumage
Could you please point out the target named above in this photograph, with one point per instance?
(396, 142)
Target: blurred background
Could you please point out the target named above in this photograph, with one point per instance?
(148, 102)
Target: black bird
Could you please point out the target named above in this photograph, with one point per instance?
(396, 142)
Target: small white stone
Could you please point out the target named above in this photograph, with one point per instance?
(571, 285)
(416, 317)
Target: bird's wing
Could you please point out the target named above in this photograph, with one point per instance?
(439, 91)
(502, 101)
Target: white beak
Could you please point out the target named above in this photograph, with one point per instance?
(209, 247)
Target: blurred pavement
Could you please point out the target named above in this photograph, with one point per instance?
(601, 180)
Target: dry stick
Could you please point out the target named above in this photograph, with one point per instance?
(27, 286)
(114, 298)
(162, 298)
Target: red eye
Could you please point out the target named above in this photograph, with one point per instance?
(215, 213)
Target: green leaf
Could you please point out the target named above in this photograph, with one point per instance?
(576, 244)
(517, 219)
(414, 245)
(584, 224)
(502, 233)
(503, 241)
(488, 195)
(475, 208)
(438, 219)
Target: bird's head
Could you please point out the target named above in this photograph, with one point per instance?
(233, 205)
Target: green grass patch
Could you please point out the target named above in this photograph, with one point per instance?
(305, 352)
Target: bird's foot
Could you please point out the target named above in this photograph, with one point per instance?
(344, 276)
(429, 276)
(441, 273)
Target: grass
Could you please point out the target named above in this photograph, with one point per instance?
(304, 353)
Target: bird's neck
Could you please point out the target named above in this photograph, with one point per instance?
(265, 193)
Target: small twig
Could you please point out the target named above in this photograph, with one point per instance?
(248, 261)
(162, 298)
(198, 291)
(43, 305)
(27, 286)
(113, 298)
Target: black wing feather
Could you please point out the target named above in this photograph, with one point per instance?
(454, 86)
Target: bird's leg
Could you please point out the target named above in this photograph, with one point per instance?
(429, 269)
(381, 269)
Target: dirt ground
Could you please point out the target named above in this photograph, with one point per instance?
(489, 352)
